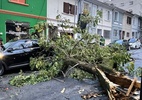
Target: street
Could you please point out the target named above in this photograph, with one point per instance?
(137, 55)
(51, 90)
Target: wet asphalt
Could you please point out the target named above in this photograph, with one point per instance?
(55, 89)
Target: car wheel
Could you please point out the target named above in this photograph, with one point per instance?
(1, 70)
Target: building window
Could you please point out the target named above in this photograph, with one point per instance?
(128, 34)
(108, 15)
(136, 34)
(134, 21)
(116, 16)
(69, 8)
(123, 34)
(18, 1)
(133, 34)
(131, 2)
(99, 32)
(129, 20)
(122, 4)
(114, 32)
(107, 34)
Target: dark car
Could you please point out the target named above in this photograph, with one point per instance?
(124, 43)
(17, 53)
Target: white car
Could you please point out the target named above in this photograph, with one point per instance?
(134, 43)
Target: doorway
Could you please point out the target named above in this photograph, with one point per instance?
(16, 30)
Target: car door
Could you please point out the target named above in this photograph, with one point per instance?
(15, 55)
(30, 48)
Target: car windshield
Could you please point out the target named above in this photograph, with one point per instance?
(6, 45)
(132, 40)
(119, 41)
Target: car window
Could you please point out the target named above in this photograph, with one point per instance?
(125, 40)
(35, 44)
(132, 40)
(18, 45)
(6, 45)
(28, 44)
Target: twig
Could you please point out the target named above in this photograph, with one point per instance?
(59, 80)
(65, 74)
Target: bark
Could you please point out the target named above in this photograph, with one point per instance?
(110, 82)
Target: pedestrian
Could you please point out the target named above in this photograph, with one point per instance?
(1, 45)
(102, 41)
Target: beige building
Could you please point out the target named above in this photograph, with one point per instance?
(127, 26)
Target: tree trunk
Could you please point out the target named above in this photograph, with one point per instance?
(108, 81)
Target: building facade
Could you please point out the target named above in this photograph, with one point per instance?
(105, 24)
(127, 26)
(117, 23)
(133, 6)
(18, 16)
(135, 26)
(65, 10)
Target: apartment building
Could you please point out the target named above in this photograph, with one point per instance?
(117, 23)
(133, 6)
(66, 10)
(104, 26)
(135, 26)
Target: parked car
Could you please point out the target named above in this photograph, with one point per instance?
(122, 42)
(134, 43)
(17, 53)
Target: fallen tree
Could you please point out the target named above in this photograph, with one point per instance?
(110, 82)
(86, 54)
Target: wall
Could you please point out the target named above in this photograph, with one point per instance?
(55, 7)
(32, 12)
(117, 25)
(127, 27)
(135, 28)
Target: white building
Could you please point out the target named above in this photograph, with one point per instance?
(133, 6)
(104, 26)
(66, 9)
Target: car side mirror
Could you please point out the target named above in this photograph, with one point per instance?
(9, 49)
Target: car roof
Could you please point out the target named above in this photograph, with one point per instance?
(24, 40)
(132, 40)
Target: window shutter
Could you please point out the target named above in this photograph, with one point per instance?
(72, 9)
(130, 20)
(66, 8)
(75, 10)
(127, 20)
